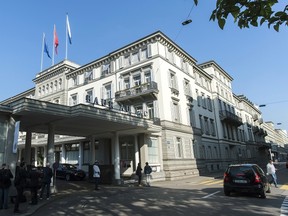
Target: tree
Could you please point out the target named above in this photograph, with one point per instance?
(249, 13)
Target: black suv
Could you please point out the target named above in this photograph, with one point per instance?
(248, 178)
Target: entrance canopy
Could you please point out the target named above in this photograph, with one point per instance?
(79, 120)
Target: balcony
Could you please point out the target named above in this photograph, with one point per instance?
(230, 118)
(140, 93)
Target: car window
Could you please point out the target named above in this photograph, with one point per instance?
(241, 171)
(258, 170)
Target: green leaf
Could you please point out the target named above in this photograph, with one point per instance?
(262, 21)
(276, 27)
(221, 23)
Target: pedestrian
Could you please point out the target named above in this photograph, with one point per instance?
(34, 177)
(271, 170)
(46, 181)
(96, 174)
(139, 173)
(5, 183)
(147, 172)
(20, 184)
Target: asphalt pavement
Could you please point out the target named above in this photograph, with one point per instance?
(65, 190)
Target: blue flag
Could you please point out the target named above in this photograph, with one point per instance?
(46, 48)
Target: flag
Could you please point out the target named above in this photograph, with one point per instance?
(46, 48)
(68, 30)
(56, 42)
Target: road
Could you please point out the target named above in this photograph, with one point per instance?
(195, 196)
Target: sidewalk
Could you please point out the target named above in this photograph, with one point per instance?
(65, 189)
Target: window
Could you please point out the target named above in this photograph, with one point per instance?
(175, 112)
(173, 80)
(178, 147)
(60, 84)
(144, 53)
(198, 98)
(204, 105)
(207, 131)
(187, 87)
(105, 69)
(51, 87)
(74, 99)
(107, 92)
(147, 75)
(39, 91)
(150, 111)
(169, 55)
(213, 130)
(55, 85)
(153, 151)
(139, 110)
(89, 96)
(127, 82)
(137, 79)
(209, 103)
(88, 76)
(127, 60)
(201, 124)
(75, 81)
(135, 57)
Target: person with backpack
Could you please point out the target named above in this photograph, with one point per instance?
(5, 183)
(147, 172)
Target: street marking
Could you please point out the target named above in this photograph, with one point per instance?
(284, 187)
(215, 182)
(207, 181)
(209, 195)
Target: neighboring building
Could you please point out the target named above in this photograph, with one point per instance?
(148, 101)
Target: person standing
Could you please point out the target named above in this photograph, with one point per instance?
(46, 181)
(271, 170)
(5, 183)
(147, 172)
(139, 173)
(96, 174)
(34, 176)
(20, 184)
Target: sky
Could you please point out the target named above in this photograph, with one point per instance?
(256, 58)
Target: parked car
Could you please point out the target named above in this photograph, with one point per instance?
(69, 172)
(249, 178)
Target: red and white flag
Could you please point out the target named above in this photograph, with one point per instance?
(56, 41)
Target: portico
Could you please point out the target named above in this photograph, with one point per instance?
(81, 120)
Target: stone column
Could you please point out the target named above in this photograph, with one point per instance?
(50, 145)
(80, 155)
(136, 150)
(36, 156)
(63, 157)
(27, 150)
(117, 178)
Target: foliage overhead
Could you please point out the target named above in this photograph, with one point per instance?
(248, 13)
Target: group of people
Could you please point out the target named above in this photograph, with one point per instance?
(25, 178)
(147, 172)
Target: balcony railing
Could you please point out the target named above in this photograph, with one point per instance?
(230, 118)
(146, 91)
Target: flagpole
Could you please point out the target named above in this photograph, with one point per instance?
(66, 36)
(53, 46)
(42, 52)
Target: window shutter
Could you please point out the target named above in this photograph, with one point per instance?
(121, 62)
(149, 51)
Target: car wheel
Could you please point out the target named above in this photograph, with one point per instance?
(263, 194)
(227, 192)
(67, 177)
